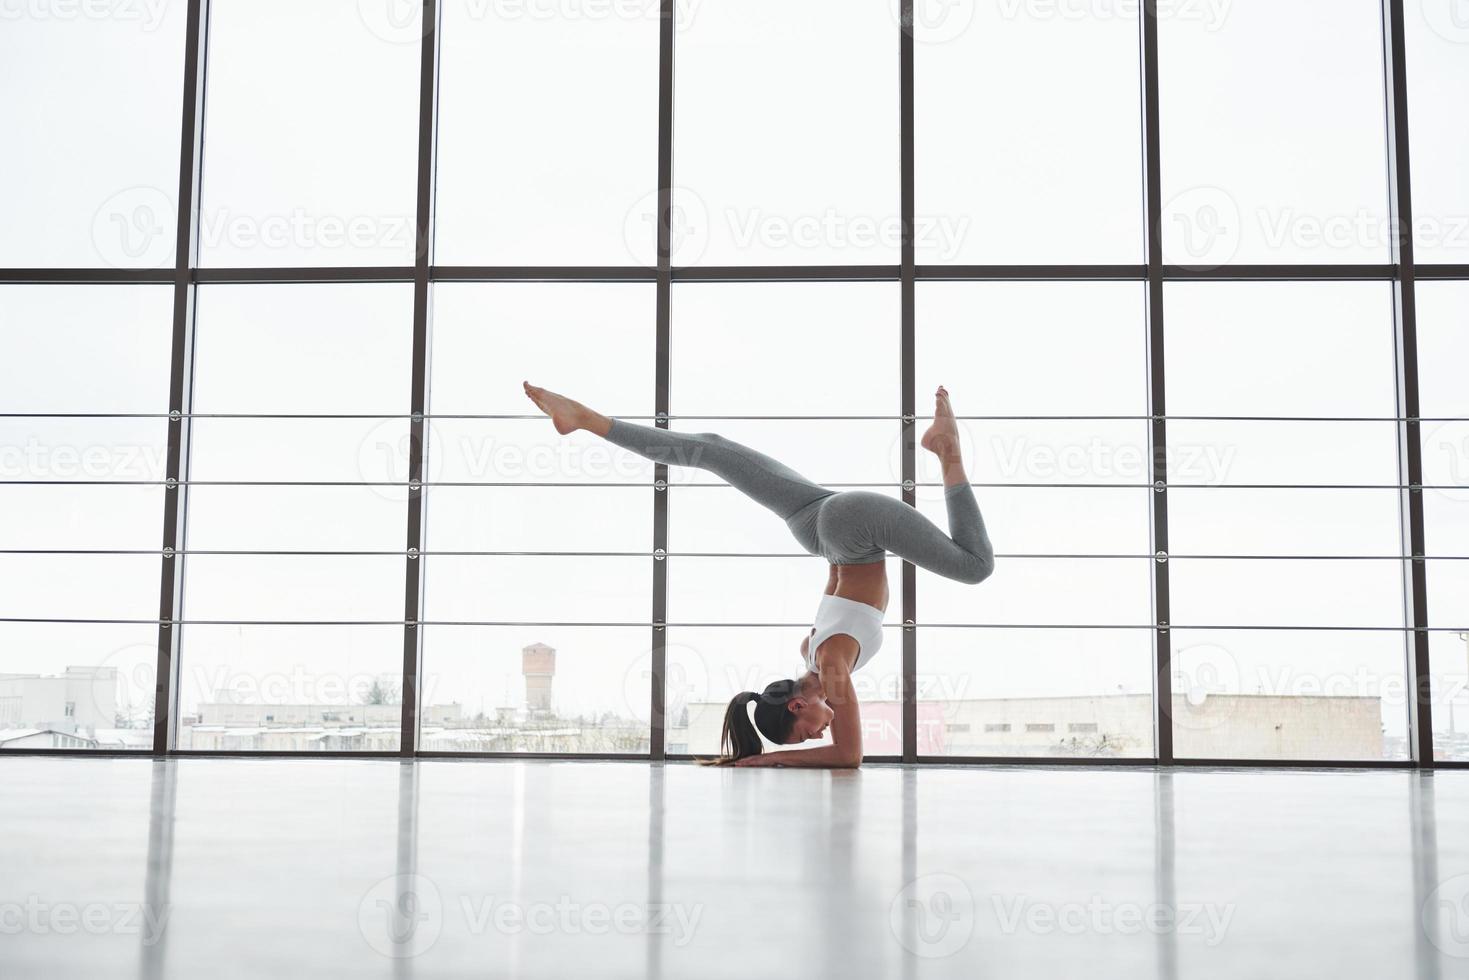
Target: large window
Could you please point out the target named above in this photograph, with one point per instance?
(270, 483)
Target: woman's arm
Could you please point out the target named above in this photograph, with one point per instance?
(835, 659)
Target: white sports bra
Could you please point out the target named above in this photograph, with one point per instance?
(836, 616)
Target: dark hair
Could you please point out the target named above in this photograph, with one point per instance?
(773, 720)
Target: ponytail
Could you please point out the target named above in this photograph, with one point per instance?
(741, 736)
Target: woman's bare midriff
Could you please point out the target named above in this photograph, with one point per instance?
(862, 583)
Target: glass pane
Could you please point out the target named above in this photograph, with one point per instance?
(311, 156)
(296, 519)
(1033, 348)
(1449, 657)
(591, 341)
(1217, 453)
(1438, 75)
(1056, 520)
(786, 133)
(511, 451)
(294, 450)
(709, 665)
(1295, 593)
(1254, 75)
(1446, 520)
(538, 589)
(79, 586)
(1070, 452)
(319, 348)
(85, 348)
(1044, 592)
(756, 590)
(1054, 692)
(993, 185)
(555, 175)
(1281, 695)
(540, 519)
(269, 588)
(81, 517)
(91, 120)
(1443, 348)
(786, 349)
(78, 685)
(1281, 348)
(536, 689)
(291, 688)
(1219, 521)
(1448, 594)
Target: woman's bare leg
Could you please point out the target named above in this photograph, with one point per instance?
(942, 439)
(567, 414)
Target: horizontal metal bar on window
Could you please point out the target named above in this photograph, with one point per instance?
(640, 624)
(764, 273)
(1026, 556)
(1278, 273)
(371, 417)
(722, 486)
(1440, 270)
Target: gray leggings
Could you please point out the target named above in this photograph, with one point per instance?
(851, 527)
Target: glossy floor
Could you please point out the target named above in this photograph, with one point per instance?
(319, 868)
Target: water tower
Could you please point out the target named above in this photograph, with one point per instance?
(538, 664)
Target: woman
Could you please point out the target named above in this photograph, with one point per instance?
(853, 530)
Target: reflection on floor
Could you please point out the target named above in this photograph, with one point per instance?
(321, 868)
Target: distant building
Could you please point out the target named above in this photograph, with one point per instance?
(78, 702)
(33, 738)
(538, 664)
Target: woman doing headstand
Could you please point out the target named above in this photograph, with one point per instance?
(854, 530)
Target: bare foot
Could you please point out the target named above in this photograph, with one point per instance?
(942, 438)
(566, 415)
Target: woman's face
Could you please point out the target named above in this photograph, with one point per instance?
(813, 714)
